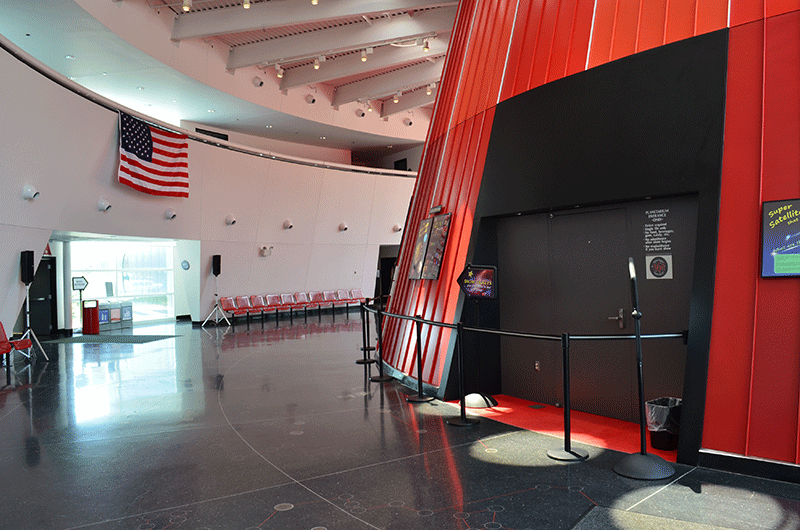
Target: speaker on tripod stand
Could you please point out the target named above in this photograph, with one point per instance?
(217, 313)
(26, 274)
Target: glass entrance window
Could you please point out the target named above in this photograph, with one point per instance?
(140, 273)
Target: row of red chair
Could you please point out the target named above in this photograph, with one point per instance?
(289, 302)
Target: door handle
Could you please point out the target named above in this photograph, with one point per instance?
(620, 318)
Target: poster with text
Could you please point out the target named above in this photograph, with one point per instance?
(780, 239)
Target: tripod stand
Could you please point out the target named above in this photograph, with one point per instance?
(216, 312)
(29, 334)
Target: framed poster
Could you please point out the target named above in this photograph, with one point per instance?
(420, 247)
(479, 281)
(440, 228)
(780, 239)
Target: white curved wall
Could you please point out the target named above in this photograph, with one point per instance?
(67, 147)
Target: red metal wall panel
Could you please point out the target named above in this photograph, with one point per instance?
(776, 366)
(605, 14)
(626, 26)
(651, 31)
(731, 350)
(711, 16)
(746, 11)
(781, 7)
(680, 20)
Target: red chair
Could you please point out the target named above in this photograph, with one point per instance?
(274, 302)
(302, 298)
(7, 347)
(258, 304)
(243, 304)
(229, 306)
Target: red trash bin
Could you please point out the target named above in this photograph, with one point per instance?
(91, 317)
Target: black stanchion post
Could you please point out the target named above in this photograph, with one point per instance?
(365, 359)
(380, 378)
(461, 421)
(641, 465)
(568, 454)
(419, 398)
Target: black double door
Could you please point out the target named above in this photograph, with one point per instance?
(568, 273)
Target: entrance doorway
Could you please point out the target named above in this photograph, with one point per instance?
(567, 272)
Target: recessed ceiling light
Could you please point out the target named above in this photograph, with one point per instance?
(269, 126)
(389, 146)
(321, 137)
(105, 73)
(70, 57)
(210, 110)
(139, 88)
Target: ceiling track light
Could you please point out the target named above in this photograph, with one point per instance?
(187, 6)
(279, 71)
(426, 47)
(397, 97)
(316, 64)
(246, 4)
(363, 56)
(430, 88)
(314, 2)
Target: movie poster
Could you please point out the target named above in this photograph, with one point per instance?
(780, 239)
(420, 247)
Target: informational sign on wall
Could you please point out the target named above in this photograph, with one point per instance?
(780, 239)
(658, 245)
(478, 281)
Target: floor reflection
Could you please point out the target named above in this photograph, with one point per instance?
(274, 425)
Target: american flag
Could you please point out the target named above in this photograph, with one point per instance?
(153, 160)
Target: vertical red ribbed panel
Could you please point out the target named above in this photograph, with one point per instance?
(776, 364)
(624, 26)
(781, 7)
(746, 11)
(753, 397)
(730, 361)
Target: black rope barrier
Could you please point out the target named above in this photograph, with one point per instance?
(569, 453)
(381, 377)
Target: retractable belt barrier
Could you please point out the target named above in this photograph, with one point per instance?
(568, 453)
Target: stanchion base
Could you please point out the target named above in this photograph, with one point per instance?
(381, 378)
(573, 455)
(419, 399)
(644, 467)
(466, 422)
(366, 361)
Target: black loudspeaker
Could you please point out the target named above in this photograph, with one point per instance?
(216, 264)
(26, 267)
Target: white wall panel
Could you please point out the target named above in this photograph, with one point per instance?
(334, 267)
(388, 209)
(346, 198)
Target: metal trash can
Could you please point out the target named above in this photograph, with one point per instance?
(91, 317)
(663, 422)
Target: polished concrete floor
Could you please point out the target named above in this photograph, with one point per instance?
(266, 428)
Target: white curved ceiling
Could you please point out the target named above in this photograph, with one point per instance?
(369, 53)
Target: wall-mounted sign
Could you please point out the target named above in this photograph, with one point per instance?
(658, 245)
(440, 228)
(780, 239)
(479, 281)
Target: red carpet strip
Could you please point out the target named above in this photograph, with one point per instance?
(598, 431)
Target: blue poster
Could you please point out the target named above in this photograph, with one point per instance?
(780, 237)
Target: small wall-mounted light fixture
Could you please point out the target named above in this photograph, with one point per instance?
(29, 192)
(287, 224)
(360, 113)
(265, 251)
(170, 214)
(103, 205)
(342, 227)
(397, 228)
(258, 82)
(230, 220)
(310, 99)
(407, 122)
